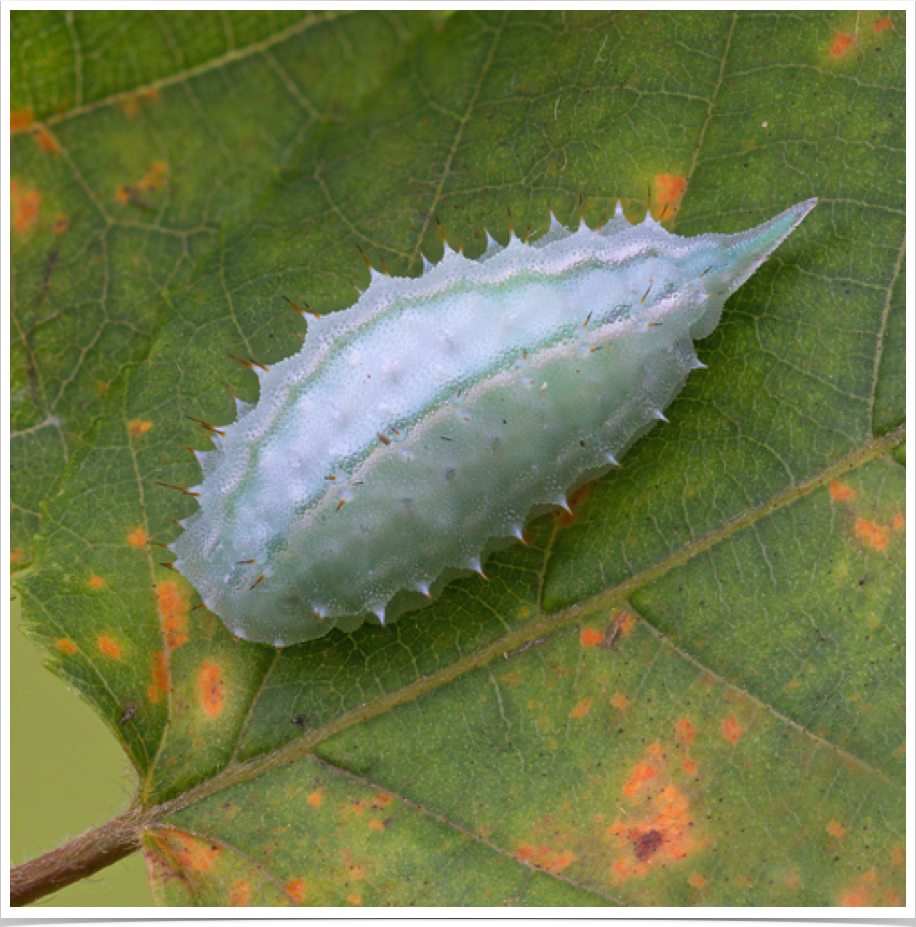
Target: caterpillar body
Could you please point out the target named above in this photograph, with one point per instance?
(418, 430)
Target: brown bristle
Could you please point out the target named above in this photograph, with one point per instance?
(257, 580)
(207, 425)
(249, 364)
(183, 489)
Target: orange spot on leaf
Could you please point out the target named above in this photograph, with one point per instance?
(139, 427)
(625, 623)
(20, 119)
(581, 709)
(732, 730)
(872, 534)
(173, 613)
(882, 25)
(109, 646)
(46, 141)
(15, 556)
(316, 798)
(835, 829)
(191, 852)
(590, 637)
(26, 205)
(65, 645)
(240, 895)
(155, 177)
(685, 731)
(665, 835)
(544, 858)
(899, 522)
(690, 767)
(211, 689)
(137, 537)
(697, 881)
(840, 492)
(61, 223)
(296, 890)
(669, 191)
(354, 899)
(160, 671)
(842, 43)
(381, 800)
(656, 749)
(641, 775)
(96, 582)
(620, 701)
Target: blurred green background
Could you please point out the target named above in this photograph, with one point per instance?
(67, 773)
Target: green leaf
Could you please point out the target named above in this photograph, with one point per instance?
(156, 130)
(689, 693)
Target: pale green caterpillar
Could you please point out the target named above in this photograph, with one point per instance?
(418, 430)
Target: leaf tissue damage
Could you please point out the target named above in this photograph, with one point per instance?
(688, 692)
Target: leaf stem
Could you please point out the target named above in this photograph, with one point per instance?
(82, 857)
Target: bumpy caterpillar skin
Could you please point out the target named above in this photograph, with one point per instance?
(417, 430)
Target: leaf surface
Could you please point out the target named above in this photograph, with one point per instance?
(689, 692)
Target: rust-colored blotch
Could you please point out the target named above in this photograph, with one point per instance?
(65, 645)
(842, 43)
(160, 672)
(354, 899)
(316, 798)
(211, 688)
(690, 767)
(46, 140)
(872, 534)
(882, 25)
(840, 492)
(899, 522)
(137, 536)
(20, 119)
(697, 881)
(685, 731)
(545, 858)
(669, 191)
(581, 709)
(139, 427)
(26, 205)
(96, 582)
(620, 701)
(590, 637)
(835, 829)
(640, 776)
(732, 730)
(173, 614)
(190, 851)
(109, 646)
(240, 895)
(296, 890)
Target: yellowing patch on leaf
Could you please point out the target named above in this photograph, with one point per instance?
(109, 646)
(155, 177)
(381, 800)
(211, 689)
(697, 881)
(835, 829)
(669, 191)
(620, 701)
(581, 709)
(65, 645)
(173, 613)
(316, 798)
(61, 223)
(191, 852)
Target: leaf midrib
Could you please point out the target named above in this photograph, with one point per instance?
(302, 748)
